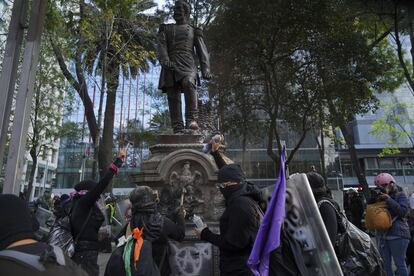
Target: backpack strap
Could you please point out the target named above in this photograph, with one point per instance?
(28, 260)
(330, 203)
(342, 220)
(60, 256)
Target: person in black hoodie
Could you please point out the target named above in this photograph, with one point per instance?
(20, 253)
(157, 229)
(322, 194)
(240, 221)
(86, 218)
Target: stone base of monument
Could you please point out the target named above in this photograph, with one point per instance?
(184, 175)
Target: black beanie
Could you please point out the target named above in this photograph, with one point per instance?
(316, 181)
(231, 172)
(85, 185)
(141, 197)
(16, 221)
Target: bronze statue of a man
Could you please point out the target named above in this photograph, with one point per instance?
(178, 46)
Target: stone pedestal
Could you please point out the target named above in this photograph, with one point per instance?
(182, 174)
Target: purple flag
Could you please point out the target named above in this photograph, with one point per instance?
(268, 236)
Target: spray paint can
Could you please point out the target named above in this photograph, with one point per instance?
(198, 221)
(207, 147)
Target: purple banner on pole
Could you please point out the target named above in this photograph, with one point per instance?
(268, 236)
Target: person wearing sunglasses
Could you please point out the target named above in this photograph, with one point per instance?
(394, 242)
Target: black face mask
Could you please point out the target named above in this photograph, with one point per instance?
(227, 191)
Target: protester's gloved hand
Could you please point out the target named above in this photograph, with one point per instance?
(215, 145)
(198, 230)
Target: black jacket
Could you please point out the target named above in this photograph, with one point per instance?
(238, 228)
(82, 206)
(157, 230)
(171, 230)
(329, 216)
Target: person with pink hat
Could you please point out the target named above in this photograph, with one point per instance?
(394, 242)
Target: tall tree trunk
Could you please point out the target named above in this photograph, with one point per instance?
(270, 133)
(96, 143)
(33, 154)
(322, 150)
(360, 174)
(101, 97)
(81, 88)
(400, 50)
(244, 145)
(107, 144)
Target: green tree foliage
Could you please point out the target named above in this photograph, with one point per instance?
(258, 45)
(72, 132)
(299, 58)
(107, 38)
(160, 117)
(351, 72)
(47, 107)
(202, 11)
(395, 126)
(392, 20)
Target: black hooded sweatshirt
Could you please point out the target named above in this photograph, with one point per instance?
(88, 236)
(157, 230)
(238, 227)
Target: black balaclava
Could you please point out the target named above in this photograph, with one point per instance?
(16, 221)
(230, 172)
(318, 185)
(144, 212)
(85, 185)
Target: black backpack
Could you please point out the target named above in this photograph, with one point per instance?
(356, 252)
(146, 265)
(60, 233)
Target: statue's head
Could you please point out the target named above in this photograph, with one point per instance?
(182, 11)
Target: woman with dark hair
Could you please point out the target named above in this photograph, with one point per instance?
(86, 217)
(148, 231)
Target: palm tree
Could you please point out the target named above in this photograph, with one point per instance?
(106, 38)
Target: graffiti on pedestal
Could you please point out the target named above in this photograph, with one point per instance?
(191, 258)
(184, 189)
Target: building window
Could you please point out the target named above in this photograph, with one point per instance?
(44, 153)
(386, 163)
(371, 163)
(54, 156)
(347, 169)
(36, 192)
